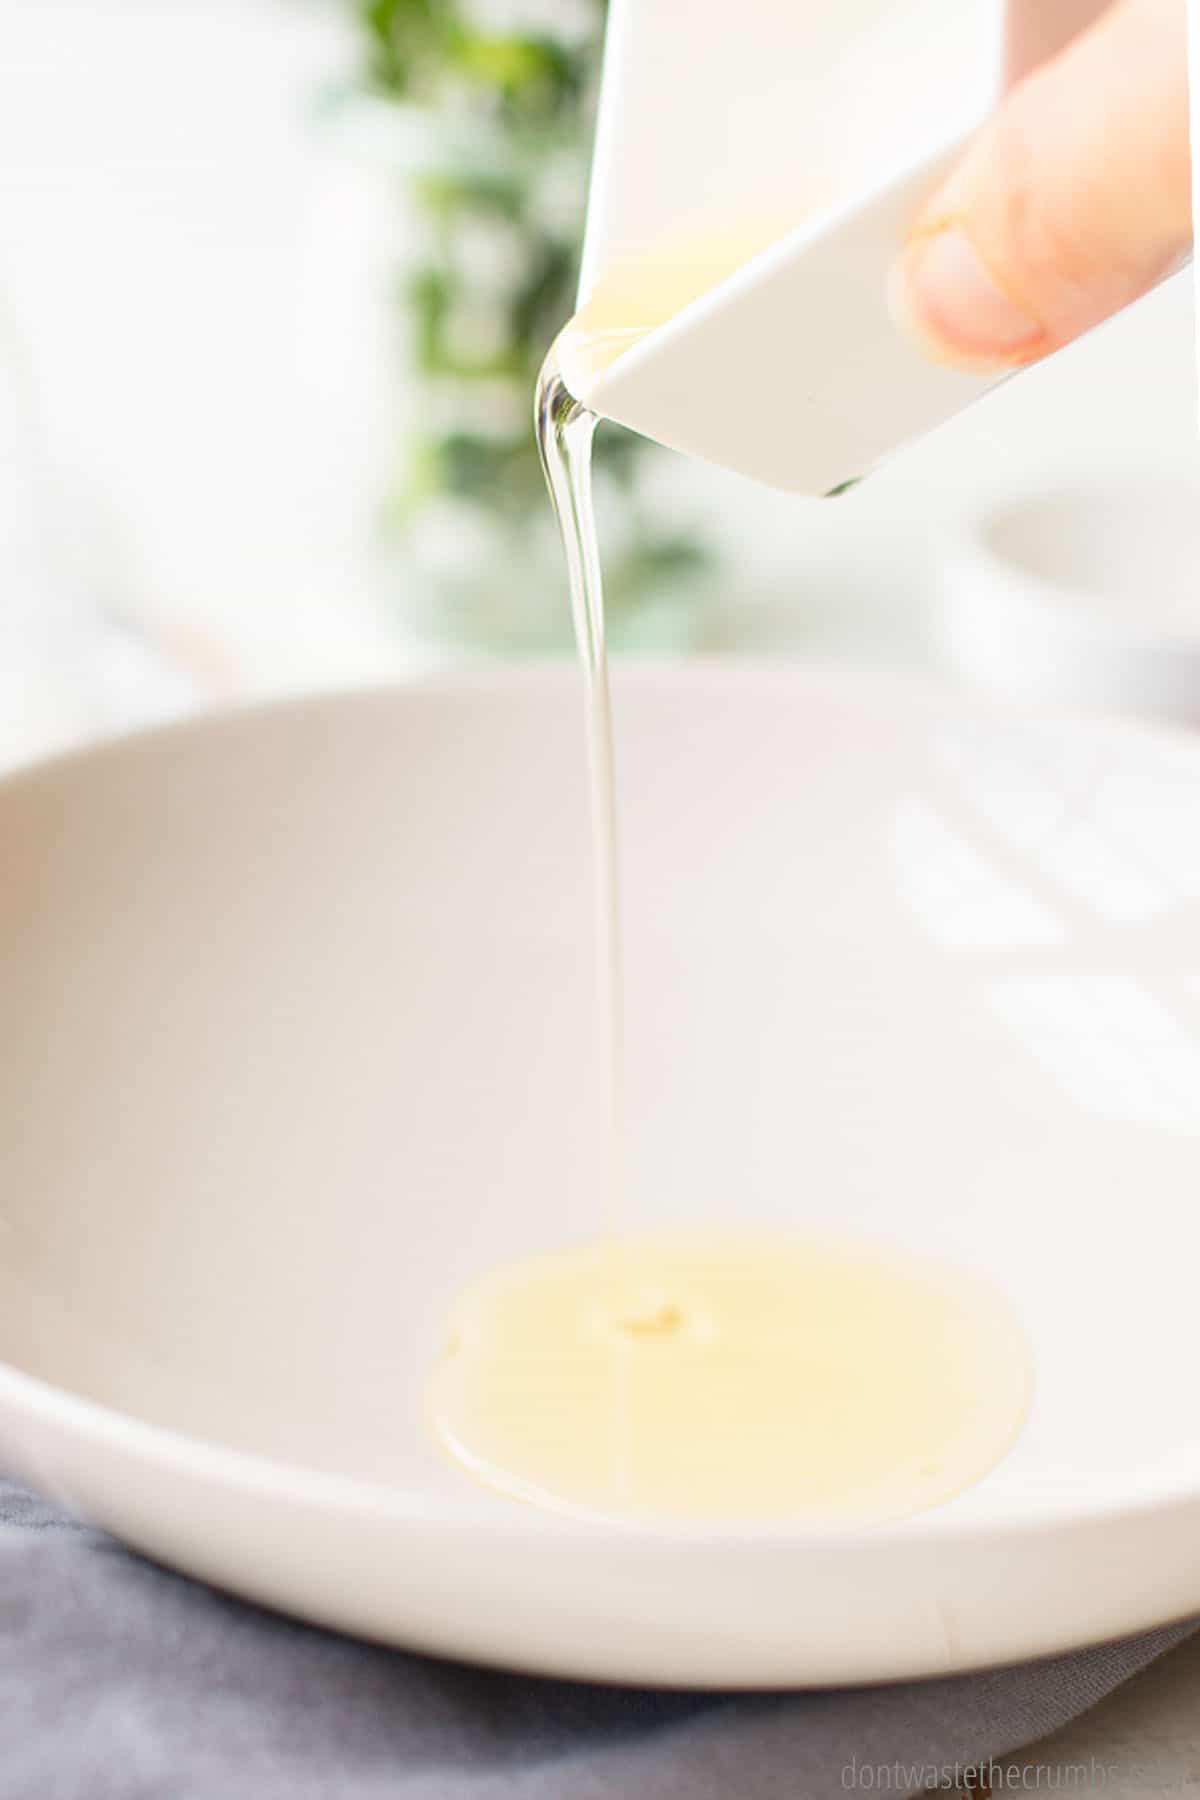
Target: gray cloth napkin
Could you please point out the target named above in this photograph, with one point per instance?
(122, 1681)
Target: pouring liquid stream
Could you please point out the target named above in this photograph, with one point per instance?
(713, 1373)
(565, 430)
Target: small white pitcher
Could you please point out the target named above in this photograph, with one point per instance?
(757, 166)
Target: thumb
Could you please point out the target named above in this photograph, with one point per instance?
(1073, 200)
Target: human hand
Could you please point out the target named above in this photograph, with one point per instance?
(1073, 200)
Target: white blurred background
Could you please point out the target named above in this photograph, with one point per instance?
(200, 397)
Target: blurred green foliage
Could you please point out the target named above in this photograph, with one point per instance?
(498, 194)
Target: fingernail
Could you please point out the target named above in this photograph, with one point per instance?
(948, 298)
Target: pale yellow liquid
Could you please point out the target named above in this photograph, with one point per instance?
(725, 1374)
(734, 1375)
(638, 295)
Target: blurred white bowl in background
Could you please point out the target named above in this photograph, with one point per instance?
(1085, 594)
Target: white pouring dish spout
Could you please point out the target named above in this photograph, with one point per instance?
(755, 174)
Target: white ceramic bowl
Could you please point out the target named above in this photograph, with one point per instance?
(1086, 594)
(295, 1015)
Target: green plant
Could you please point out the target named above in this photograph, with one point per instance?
(497, 194)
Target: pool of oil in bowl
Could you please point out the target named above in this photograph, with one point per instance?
(731, 1375)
